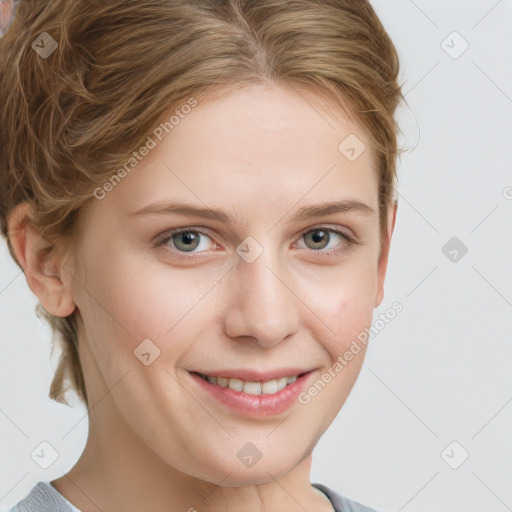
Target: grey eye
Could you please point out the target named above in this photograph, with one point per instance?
(319, 238)
(187, 240)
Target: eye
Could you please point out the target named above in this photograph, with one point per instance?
(185, 240)
(319, 238)
(189, 240)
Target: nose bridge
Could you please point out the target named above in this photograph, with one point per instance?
(262, 307)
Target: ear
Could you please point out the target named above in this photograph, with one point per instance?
(7, 15)
(41, 263)
(384, 253)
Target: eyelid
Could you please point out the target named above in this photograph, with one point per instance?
(335, 228)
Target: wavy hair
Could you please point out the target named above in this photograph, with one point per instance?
(70, 119)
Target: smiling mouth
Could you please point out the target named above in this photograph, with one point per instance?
(269, 387)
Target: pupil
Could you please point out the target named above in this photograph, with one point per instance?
(188, 237)
(318, 238)
(187, 240)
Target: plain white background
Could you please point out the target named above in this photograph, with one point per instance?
(428, 424)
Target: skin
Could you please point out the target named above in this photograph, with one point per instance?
(156, 441)
(7, 12)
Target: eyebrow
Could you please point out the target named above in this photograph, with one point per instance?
(304, 213)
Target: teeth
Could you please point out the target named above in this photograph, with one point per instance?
(252, 388)
(269, 387)
(221, 381)
(235, 384)
(281, 383)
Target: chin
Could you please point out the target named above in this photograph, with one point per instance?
(235, 473)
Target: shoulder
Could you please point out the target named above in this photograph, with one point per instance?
(342, 503)
(42, 498)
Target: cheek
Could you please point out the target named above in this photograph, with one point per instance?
(349, 315)
(353, 314)
(130, 297)
(128, 300)
(344, 300)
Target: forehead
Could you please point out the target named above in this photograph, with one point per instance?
(264, 117)
(254, 148)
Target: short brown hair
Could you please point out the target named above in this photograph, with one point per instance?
(70, 120)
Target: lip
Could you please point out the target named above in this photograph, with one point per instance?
(253, 406)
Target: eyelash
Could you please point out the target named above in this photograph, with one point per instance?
(165, 237)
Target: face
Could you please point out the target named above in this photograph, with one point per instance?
(263, 294)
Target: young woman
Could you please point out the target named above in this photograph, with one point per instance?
(201, 196)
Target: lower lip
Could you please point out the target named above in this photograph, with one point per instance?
(255, 406)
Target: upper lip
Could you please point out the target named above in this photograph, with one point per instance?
(254, 375)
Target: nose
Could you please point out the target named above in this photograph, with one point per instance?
(262, 304)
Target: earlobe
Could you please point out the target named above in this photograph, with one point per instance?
(41, 264)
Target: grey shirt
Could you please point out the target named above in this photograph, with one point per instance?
(45, 498)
